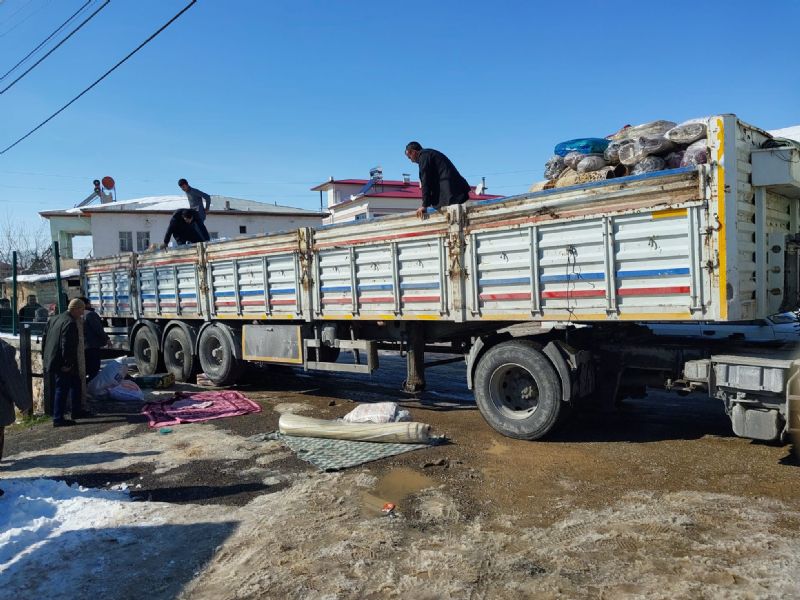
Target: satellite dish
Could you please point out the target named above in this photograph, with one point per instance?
(108, 182)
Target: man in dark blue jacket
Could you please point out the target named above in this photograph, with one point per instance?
(442, 184)
(199, 202)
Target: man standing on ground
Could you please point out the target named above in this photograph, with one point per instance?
(182, 228)
(442, 184)
(94, 338)
(60, 359)
(200, 202)
(12, 391)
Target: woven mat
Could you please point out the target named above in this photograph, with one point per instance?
(333, 455)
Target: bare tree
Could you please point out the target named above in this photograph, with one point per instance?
(31, 241)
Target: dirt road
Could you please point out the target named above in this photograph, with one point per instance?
(658, 501)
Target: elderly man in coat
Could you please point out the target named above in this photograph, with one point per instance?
(12, 391)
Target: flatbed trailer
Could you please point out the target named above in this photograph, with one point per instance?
(542, 294)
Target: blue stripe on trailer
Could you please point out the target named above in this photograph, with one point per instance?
(187, 295)
(566, 277)
(506, 281)
(335, 288)
(420, 286)
(374, 287)
(652, 273)
(282, 291)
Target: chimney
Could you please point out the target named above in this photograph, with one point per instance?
(406, 178)
(227, 204)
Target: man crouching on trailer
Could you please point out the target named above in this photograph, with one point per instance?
(183, 228)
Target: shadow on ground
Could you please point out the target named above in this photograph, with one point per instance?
(93, 563)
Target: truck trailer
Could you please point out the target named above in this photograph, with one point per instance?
(544, 295)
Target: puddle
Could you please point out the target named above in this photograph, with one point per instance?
(497, 449)
(394, 487)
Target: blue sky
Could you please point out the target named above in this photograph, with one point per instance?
(263, 100)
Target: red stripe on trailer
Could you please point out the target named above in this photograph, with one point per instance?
(177, 261)
(409, 299)
(217, 257)
(575, 294)
(382, 238)
(337, 300)
(376, 300)
(282, 302)
(513, 296)
(656, 291)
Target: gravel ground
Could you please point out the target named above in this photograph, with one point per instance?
(656, 500)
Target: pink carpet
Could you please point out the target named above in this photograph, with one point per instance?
(186, 407)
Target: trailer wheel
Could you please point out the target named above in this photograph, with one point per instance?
(178, 354)
(146, 352)
(217, 358)
(517, 390)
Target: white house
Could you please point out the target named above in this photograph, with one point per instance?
(356, 199)
(132, 225)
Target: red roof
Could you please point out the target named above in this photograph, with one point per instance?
(394, 189)
(385, 182)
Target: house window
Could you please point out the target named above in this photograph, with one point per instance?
(126, 241)
(142, 240)
(360, 217)
(242, 228)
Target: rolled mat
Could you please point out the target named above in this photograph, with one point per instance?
(402, 433)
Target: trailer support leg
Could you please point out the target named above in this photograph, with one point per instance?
(415, 359)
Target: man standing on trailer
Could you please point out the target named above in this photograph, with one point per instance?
(183, 227)
(200, 202)
(442, 184)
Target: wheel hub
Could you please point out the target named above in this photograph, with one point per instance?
(514, 391)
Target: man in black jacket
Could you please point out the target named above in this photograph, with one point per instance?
(60, 359)
(94, 339)
(12, 391)
(442, 184)
(183, 228)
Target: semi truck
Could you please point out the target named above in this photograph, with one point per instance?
(545, 296)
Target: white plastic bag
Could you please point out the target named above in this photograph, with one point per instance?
(592, 162)
(112, 374)
(380, 412)
(126, 391)
(687, 132)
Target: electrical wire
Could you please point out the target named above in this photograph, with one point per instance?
(47, 39)
(101, 78)
(56, 47)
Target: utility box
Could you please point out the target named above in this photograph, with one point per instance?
(777, 169)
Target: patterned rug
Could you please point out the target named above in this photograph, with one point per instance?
(333, 455)
(193, 407)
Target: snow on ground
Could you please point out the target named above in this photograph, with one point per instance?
(38, 510)
(62, 541)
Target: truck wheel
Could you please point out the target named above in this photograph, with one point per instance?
(217, 358)
(517, 390)
(146, 352)
(178, 354)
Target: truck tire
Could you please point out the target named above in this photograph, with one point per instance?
(146, 352)
(517, 390)
(179, 356)
(217, 358)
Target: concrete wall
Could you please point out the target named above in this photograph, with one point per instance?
(36, 367)
(106, 227)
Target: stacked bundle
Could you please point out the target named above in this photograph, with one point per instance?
(631, 151)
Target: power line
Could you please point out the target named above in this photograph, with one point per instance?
(56, 47)
(47, 39)
(103, 76)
